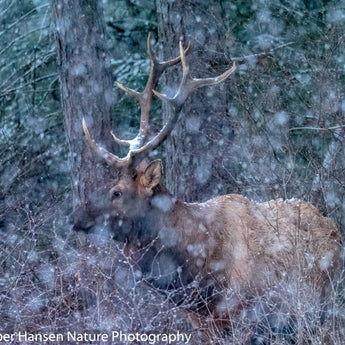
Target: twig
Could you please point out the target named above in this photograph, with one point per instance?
(21, 37)
(243, 59)
(317, 128)
(9, 27)
(7, 92)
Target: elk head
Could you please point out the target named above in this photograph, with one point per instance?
(138, 181)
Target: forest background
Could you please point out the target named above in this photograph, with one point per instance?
(275, 129)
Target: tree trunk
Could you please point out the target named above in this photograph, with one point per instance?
(86, 91)
(196, 152)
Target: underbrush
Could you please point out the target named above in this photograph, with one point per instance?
(53, 281)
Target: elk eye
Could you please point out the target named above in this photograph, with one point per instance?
(116, 194)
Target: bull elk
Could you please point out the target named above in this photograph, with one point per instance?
(202, 253)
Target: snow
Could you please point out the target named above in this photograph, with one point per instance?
(326, 261)
(163, 202)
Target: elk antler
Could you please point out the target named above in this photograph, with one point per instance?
(110, 158)
(189, 84)
(187, 87)
(145, 98)
(141, 146)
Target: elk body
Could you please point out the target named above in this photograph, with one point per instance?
(208, 256)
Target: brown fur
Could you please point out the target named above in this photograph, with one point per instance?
(239, 245)
(256, 239)
(213, 257)
(233, 248)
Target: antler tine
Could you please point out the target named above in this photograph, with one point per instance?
(128, 90)
(120, 141)
(189, 84)
(110, 158)
(166, 64)
(161, 66)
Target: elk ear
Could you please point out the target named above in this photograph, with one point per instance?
(152, 175)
